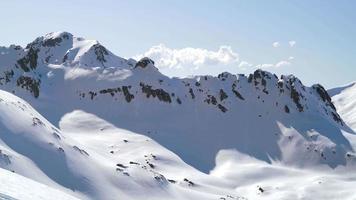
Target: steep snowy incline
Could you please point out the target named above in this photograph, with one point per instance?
(17, 187)
(344, 99)
(94, 159)
(97, 160)
(265, 116)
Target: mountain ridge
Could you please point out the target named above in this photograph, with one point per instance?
(343, 98)
(59, 73)
(79, 119)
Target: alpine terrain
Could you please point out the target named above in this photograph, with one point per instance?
(78, 122)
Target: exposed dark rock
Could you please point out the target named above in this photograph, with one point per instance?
(286, 109)
(280, 84)
(265, 91)
(128, 96)
(36, 121)
(51, 42)
(144, 62)
(121, 165)
(150, 164)
(237, 94)
(223, 95)
(29, 84)
(171, 181)
(190, 183)
(8, 75)
(159, 93)
(223, 76)
(191, 93)
(264, 82)
(261, 189)
(30, 60)
(222, 108)
(100, 52)
(324, 95)
(250, 77)
(17, 47)
(160, 178)
(336, 117)
(92, 94)
(111, 91)
(211, 99)
(294, 94)
(65, 57)
(81, 151)
(60, 149)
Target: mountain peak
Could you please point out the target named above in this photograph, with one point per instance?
(64, 48)
(54, 38)
(50, 40)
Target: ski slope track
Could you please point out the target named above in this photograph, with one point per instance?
(79, 120)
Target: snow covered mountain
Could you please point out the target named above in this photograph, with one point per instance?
(88, 92)
(345, 103)
(89, 158)
(92, 159)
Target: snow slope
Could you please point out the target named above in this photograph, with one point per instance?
(17, 187)
(92, 159)
(114, 114)
(194, 117)
(345, 103)
(97, 160)
(259, 180)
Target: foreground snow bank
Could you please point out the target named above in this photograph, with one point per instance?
(260, 180)
(14, 186)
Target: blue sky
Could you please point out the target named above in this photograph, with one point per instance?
(324, 33)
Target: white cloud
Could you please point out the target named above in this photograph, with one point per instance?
(244, 64)
(198, 60)
(292, 43)
(166, 57)
(282, 63)
(265, 66)
(279, 64)
(276, 44)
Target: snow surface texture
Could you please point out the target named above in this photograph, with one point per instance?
(100, 161)
(344, 99)
(290, 130)
(14, 186)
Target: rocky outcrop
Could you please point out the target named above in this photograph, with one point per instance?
(100, 52)
(127, 94)
(28, 62)
(29, 84)
(156, 93)
(144, 62)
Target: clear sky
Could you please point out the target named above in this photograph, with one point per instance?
(313, 39)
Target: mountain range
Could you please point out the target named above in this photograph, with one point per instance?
(91, 125)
